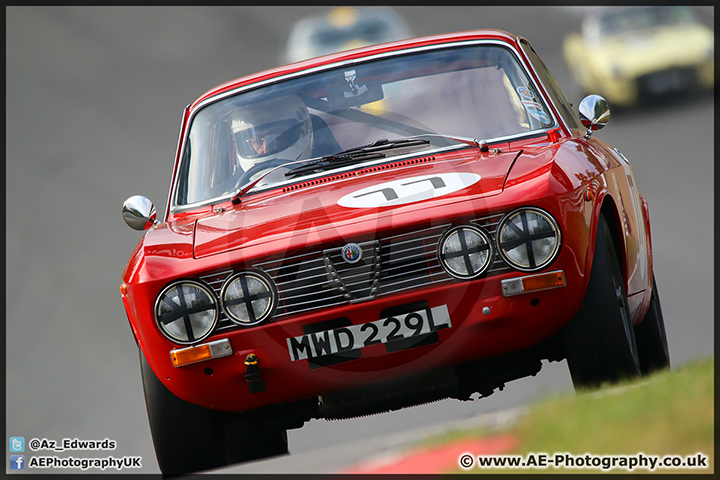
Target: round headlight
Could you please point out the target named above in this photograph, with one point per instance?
(248, 298)
(465, 252)
(528, 239)
(186, 312)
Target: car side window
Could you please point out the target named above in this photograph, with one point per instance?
(561, 101)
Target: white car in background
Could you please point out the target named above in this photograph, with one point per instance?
(343, 28)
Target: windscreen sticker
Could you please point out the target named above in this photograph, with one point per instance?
(525, 93)
(536, 110)
(408, 190)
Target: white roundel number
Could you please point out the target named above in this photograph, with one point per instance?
(408, 190)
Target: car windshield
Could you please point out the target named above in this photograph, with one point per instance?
(478, 91)
(631, 19)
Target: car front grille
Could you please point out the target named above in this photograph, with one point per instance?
(666, 81)
(388, 265)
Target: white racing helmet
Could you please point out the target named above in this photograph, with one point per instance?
(279, 128)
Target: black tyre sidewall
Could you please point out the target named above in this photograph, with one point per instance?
(651, 337)
(190, 438)
(599, 341)
(186, 437)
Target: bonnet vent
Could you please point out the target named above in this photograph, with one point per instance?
(357, 173)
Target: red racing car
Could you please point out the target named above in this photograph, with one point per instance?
(380, 228)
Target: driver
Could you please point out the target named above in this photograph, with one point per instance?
(271, 132)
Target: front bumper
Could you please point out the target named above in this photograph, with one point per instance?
(625, 90)
(481, 323)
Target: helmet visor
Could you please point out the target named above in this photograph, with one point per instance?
(267, 139)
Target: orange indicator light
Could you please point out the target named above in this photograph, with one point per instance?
(543, 281)
(207, 351)
(190, 355)
(532, 283)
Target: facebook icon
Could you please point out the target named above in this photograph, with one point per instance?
(17, 462)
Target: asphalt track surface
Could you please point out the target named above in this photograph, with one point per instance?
(94, 101)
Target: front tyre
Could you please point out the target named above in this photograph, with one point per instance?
(651, 338)
(599, 342)
(190, 438)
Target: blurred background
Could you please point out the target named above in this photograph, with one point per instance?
(94, 97)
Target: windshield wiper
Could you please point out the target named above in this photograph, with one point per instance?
(334, 161)
(473, 142)
(371, 151)
(374, 150)
(385, 144)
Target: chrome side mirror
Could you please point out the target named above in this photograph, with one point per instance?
(139, 212)
(594, 113)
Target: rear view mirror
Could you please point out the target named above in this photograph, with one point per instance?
(354, 94)
(594, 113)
(139, 213)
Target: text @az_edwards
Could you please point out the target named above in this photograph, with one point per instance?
(71, 444)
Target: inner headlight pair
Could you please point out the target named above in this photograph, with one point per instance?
(465, 252)
(528, 239)
(187, 311)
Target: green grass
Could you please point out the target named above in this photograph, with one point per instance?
(668, 413)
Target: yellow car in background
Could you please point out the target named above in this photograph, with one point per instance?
(627, 53)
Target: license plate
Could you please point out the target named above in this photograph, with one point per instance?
(665, 82)
(354, 337)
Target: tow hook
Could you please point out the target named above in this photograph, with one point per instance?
(252, 374)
